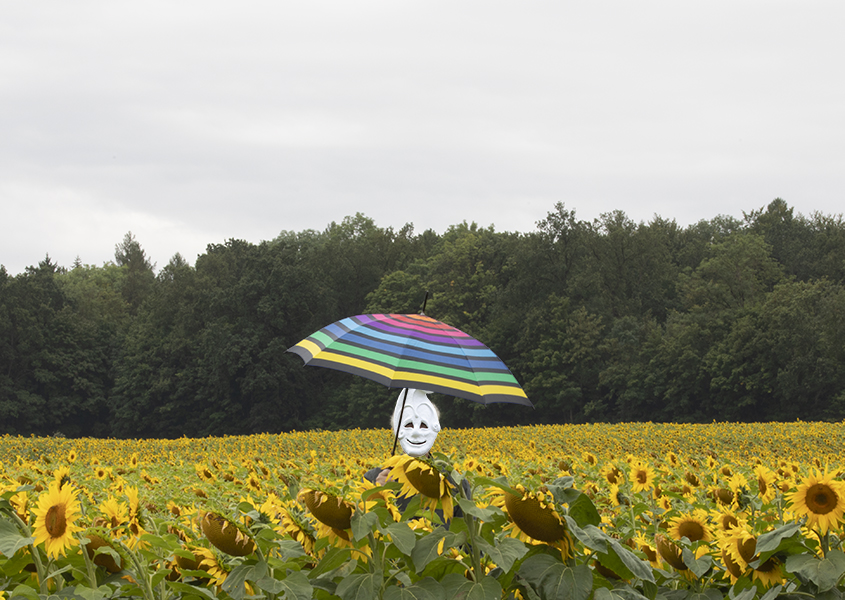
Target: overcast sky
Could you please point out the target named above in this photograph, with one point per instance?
(190, 123)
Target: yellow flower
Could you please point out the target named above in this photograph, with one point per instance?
(692, 526)
(116, 513)
(612, 474)
(534, 518)
(821, 499)
(54, 519)
(739, 548)
(765, 480)
(204, 473)
(226, 535)
(419, 477)
(641, 476)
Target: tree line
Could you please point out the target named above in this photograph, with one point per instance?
(608, 320)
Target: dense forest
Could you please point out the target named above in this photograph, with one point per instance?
(610, 320)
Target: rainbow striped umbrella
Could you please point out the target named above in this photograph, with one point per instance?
(413, 351)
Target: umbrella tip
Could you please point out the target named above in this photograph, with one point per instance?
(425, 301)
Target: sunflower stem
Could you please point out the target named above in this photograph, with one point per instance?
(89, 564)
(263, 559)
(140, 572)
(471, 523)
(33, 551)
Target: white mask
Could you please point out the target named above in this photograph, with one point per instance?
(419, 425)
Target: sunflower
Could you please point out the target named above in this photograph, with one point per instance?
(670, 553)
(612, 474)
(739, 548)
(71, 456)
(765, 479)
(20, 502)
(204, 473)
(672, 459)
(116, 513)
(211, 564)
(534, 518)
(617, 498)
(726, 520)
(722, 496)
(333, 514)
(821, 499)
(99, 538)
(641, 476)
(692, 479)
(692, 526)
(134, 502)
(664, 502)
(57, 508)
(292, 522)
(644, 546)
(417, 476)
(62, 475)
(253, 483)
(226, 535)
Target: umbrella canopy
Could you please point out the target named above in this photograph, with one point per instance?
(413, 351)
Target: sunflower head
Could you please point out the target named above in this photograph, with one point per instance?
(226, 535)
(99, 538)
(55, 513)
(533, 517)
(641, 476)
(692, 526)
(821, 499)
(327, 508)
(419, 476)
(739, 550)
(670, 553)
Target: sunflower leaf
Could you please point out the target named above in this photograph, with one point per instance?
(25, 591)
(428, 548)
(626, 563)
(554, 580)
(403, 537)
(187, 590)
(334, 558)
(458, 586)
(625, 593)
(484, 514)
(698, 566)
(772, 593)
(823, 573)
(295, 585)
(425, 589)
(11, 539)
(584, 511)
(499, 482)
(771, 541)
(590, 535)
(505, 553)
(234, 584)
(360, 586)
(363, 524)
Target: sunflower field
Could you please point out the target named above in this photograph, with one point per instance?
(625, 511)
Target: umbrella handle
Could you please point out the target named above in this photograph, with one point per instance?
(398, 424)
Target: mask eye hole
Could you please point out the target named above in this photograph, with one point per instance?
(423, 425)
(409, 425)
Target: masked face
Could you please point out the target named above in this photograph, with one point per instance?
(419, 425)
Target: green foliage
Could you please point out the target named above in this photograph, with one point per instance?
(601, 321)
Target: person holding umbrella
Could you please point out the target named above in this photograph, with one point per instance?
(415, 423)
